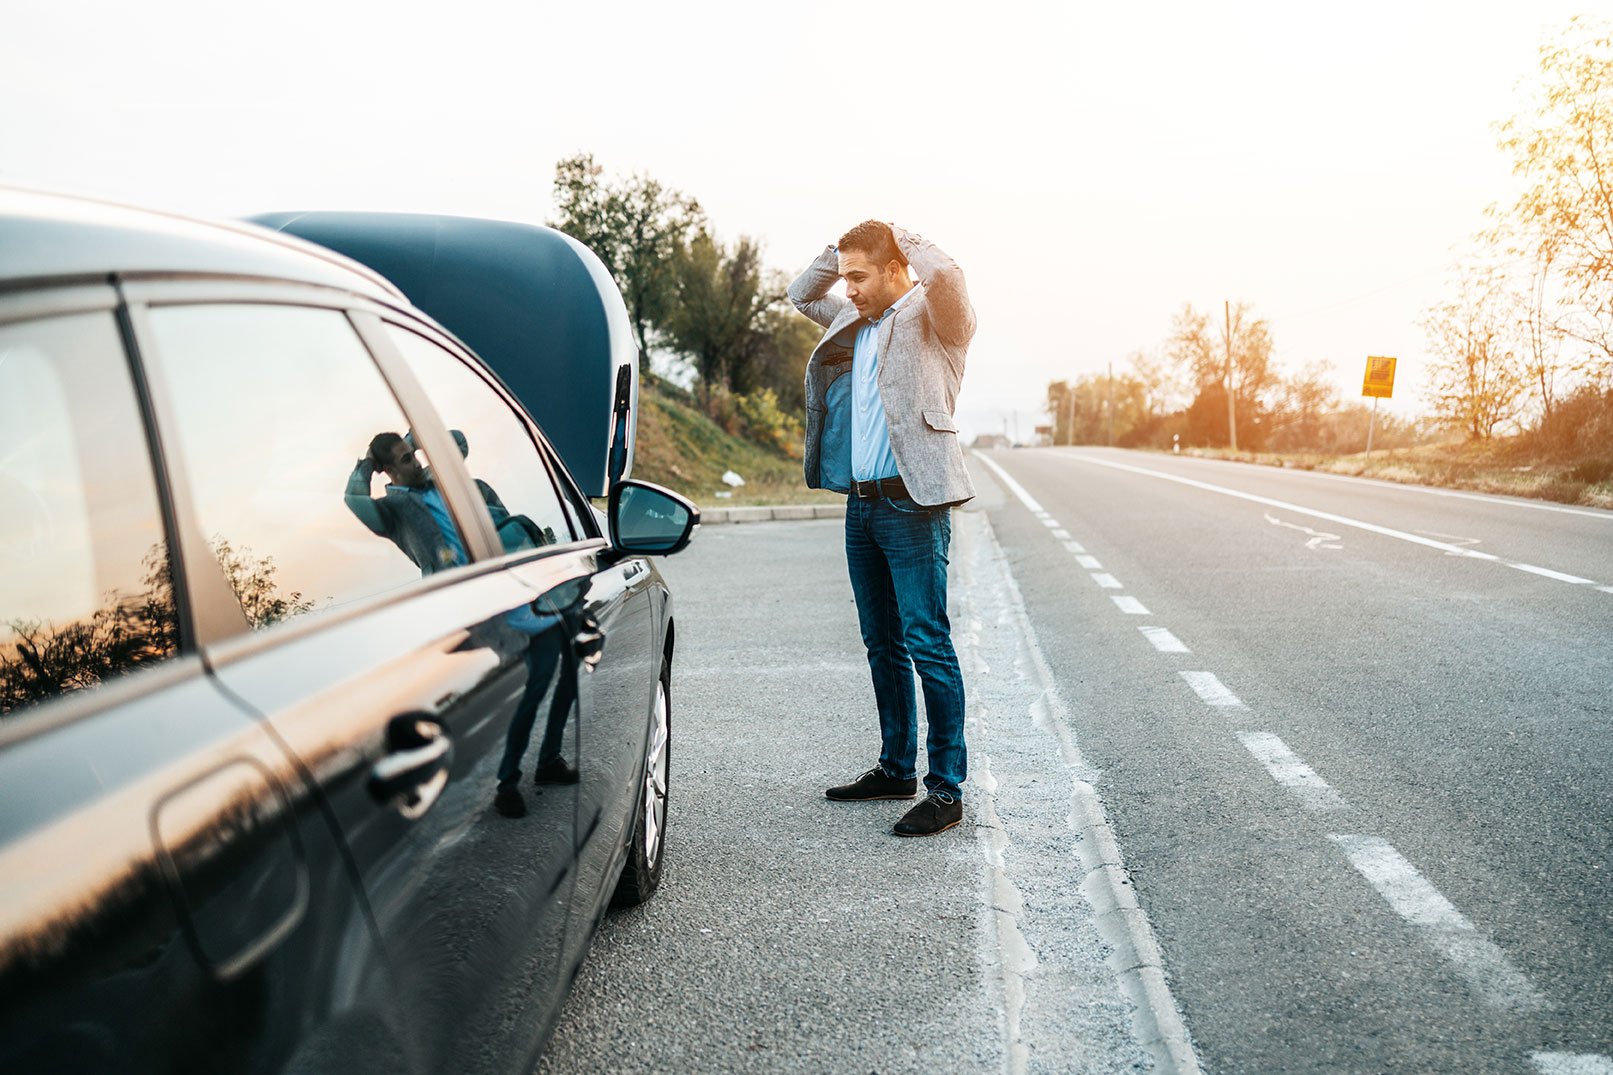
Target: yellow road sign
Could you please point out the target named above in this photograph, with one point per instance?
(1379, 381)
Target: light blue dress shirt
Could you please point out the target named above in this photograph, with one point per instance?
(433, 501)
(871, 455)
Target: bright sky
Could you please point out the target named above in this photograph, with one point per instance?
(1091, 166)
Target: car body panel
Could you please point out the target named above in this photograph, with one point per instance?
(276, 850)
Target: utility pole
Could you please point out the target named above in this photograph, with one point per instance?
(1110, 406)
(1232, 414)
(1070, 435)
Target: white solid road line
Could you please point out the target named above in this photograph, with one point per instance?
(1163, 640)
(1402, 487)
(1572, 1063)
(1108, 582)
(1013, 486)
(1211, 689)
(1372, 528)
(1488, 972)
(1129, 605)
(1290, 770)
(1550, 574)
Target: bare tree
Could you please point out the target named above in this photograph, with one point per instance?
(1562, 147)
(1476, 380)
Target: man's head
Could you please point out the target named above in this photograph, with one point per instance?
(874, 269)
(393, 455)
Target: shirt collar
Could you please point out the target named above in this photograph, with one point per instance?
(895, 305)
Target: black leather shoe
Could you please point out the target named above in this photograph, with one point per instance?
(937, 813)
(509, 802)
(874, 784)
(555, 771)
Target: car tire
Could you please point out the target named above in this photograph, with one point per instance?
(646, 847)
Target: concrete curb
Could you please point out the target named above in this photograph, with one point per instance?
(1120, 920)
(776, 513)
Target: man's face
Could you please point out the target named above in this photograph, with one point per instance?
(870, 287)
(402, 465)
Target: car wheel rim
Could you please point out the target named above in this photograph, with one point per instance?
(655, 780)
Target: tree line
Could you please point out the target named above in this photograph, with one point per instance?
(694, 298)
(1524, 342)
(1179, 396)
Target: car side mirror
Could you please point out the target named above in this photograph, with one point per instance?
(648, 519)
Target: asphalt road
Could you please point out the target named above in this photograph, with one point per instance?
(1357, 743)
(795, 934)
(1346, 745)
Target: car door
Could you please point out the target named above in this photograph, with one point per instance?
(620, 669)
(171, 898)
(623, 682)
(387, 658)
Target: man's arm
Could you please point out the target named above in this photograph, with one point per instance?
(358, 498)
(944, 290)
(810, 291)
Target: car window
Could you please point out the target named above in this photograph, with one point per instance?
(499, 452)
(85, 589)
(302, 466)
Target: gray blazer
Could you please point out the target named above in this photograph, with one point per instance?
(921, 355)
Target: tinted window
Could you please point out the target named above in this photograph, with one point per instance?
(499, 452)
(85, 590)
(279, 410)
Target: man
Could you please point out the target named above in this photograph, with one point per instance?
(880, 388)
(415, 517)
(412, 513)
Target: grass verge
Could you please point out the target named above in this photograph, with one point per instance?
(681, 448)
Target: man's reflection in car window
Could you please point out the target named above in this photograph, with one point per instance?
(550, 623)
(411, 511)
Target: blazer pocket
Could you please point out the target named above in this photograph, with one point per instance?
(940, 421)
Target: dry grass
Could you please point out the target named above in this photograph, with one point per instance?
(682, 449)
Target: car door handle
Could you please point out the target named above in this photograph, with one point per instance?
(415, 768)
(589, 643)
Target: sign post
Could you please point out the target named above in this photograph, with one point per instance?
(1379, 383)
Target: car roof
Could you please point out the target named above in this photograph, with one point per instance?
(46, 237)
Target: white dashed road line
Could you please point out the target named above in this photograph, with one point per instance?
(1290, 770)
(1163, 640)
(1572, 1063)
(1211, 689)
(1488, 972)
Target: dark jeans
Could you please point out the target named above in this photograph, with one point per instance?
(542, 661)
(896, 552)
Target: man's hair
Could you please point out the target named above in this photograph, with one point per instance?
(873, 238)
(381, 447)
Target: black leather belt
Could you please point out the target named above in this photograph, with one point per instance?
(877, 488)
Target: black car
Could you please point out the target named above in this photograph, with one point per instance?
(332, 713)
